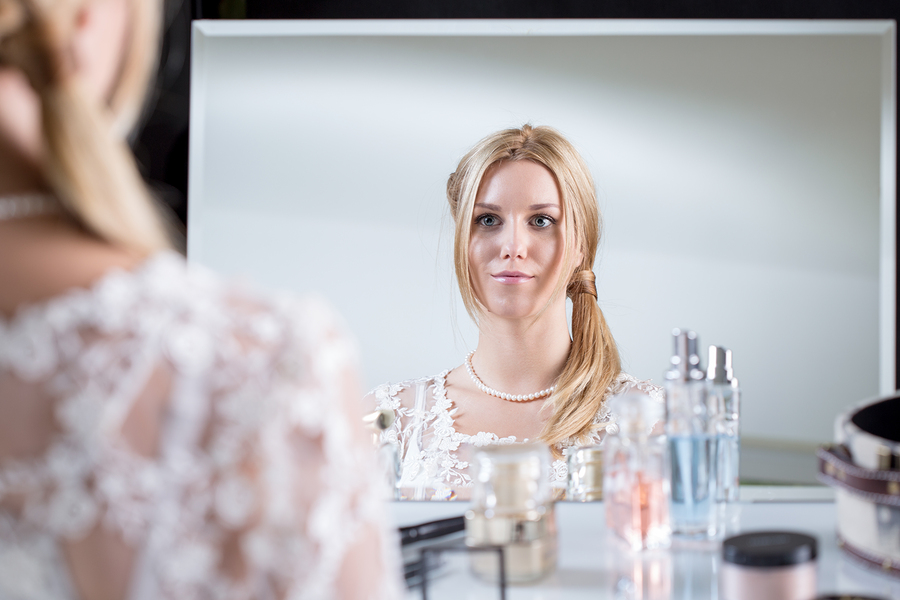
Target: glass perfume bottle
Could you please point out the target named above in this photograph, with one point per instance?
(512, 507)
(724, 405)
(693, 447)
(387, 451)
(636, 478)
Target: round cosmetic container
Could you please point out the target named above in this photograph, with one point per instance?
(847, 597)
(776, 565)
(585, 480)
(512, 507)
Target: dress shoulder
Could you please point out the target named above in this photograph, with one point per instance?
(629, 383)
(258, 402)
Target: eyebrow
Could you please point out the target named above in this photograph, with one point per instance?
(532, 207)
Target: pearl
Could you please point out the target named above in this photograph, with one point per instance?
(502, 395)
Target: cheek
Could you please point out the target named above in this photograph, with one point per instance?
(552, 250)
(20, 113)
(99, 45)
(480, 252)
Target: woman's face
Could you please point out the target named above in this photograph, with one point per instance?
(96, 47)
(518, 239)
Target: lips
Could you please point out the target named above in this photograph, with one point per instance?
(511, 277)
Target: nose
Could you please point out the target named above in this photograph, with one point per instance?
(514, 242)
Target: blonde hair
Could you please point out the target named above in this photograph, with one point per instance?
(593, 362)
(86, 162)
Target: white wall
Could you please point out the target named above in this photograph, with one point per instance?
(738, 177)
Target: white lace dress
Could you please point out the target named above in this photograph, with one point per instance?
(198, 424)
(432, 461)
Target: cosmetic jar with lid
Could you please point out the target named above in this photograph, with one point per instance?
(776, 565)
(512, 507)
(847, 597)
(585, 479)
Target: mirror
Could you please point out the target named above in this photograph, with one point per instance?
(745, 171)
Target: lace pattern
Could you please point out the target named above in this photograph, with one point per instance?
(429, 445)
(254, 429)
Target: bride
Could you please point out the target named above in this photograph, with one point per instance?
(164, 434)
(527, 228)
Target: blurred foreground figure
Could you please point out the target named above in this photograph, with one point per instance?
(162, 434)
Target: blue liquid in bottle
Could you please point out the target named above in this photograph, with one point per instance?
(693, 505)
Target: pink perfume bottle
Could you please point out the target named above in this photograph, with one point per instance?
(636, 480)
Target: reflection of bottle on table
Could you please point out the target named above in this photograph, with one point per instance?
(643, 576)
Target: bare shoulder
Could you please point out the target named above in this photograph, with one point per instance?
(41, 258)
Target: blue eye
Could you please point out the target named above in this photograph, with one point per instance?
(542, 221)
(487, 220)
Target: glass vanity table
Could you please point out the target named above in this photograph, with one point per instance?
(592, 564)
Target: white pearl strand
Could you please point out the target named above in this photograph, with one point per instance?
(27, 205)
(503, 396)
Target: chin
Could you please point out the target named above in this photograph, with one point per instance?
(514, 310)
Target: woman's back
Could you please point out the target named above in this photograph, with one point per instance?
(165, 435)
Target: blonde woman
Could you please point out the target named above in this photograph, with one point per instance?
(527, 228)
(163, 434)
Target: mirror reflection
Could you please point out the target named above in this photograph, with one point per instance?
(738, 178)
(526, 229)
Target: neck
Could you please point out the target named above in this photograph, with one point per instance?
(18, 173)
(520, 356)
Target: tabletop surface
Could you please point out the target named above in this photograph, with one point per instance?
(593, 564)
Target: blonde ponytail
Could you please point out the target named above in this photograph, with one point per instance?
(592, 367)
(86, 162)
(593, 362)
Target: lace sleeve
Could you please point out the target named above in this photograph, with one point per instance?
(291, 492)
(628, 383)
(605, 422)
(170, 436)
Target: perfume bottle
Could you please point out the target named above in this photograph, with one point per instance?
(693, 448)
(725, 407)
(388, 453)
(512, 507)
(636, 478)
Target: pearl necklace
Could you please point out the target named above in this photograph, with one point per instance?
(27, 205)
(503, 396)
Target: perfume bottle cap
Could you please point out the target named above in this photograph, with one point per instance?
(636, 413)
(379, 420)
(685, 359)
(719, 368)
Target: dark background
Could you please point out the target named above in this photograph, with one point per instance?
(161, 145)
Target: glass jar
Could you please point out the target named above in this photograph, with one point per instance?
(585, 478)
(512, 507)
